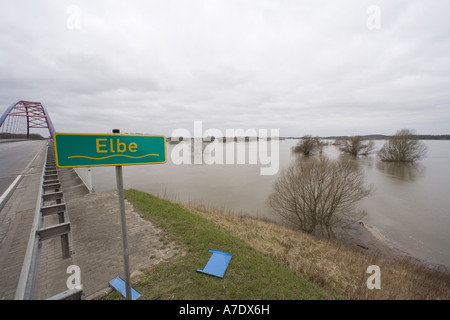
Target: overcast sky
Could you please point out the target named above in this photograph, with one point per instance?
(303, 67)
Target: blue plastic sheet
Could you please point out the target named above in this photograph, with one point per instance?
(217, 264)
(119, 285)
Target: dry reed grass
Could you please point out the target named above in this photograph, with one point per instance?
(332, 264)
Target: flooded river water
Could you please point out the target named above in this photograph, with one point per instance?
(410, 205)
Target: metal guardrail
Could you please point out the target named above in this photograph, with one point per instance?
(50, 202)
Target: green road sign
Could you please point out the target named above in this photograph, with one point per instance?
(91, 150)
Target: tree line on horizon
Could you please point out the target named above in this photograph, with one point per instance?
(383, 137)
(32, 136)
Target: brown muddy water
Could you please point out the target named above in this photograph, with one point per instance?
(410, 205)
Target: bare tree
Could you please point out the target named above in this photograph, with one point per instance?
(355, 145)
(319, 194)
(307, 145)
(402, 147)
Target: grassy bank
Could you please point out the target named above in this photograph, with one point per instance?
(250, 274)
(269, 261)
(333, 265)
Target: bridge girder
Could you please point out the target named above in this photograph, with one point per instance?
(35, 113)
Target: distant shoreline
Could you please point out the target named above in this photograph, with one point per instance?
(383, 137)
(364, 137)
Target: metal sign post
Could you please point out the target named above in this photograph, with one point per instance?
(88, 150)
(123, 224)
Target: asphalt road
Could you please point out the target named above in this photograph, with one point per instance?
(14, 157)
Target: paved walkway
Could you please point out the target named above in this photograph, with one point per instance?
(97, 241)
(96, 238)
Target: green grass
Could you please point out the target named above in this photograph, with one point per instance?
(250, 275)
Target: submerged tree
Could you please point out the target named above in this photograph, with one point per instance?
(307, 145)
(404, 146)
(319, 194)
(355, 145)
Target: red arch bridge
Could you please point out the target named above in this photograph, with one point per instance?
(23, 116)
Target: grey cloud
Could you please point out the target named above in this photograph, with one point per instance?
(304, 67)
